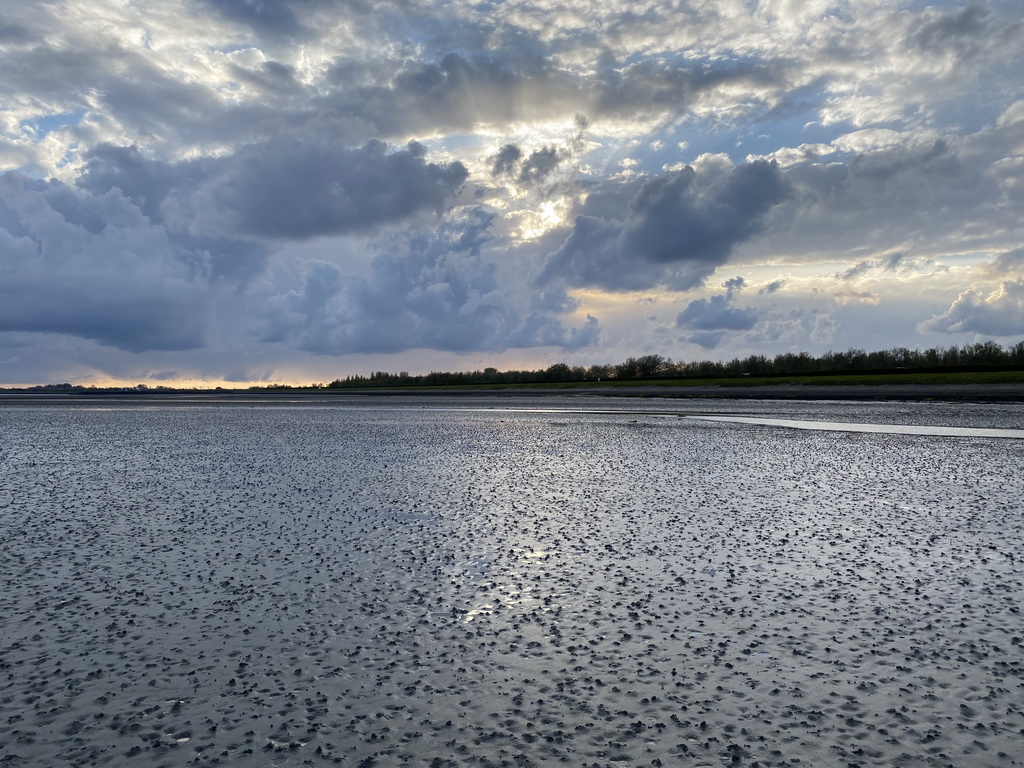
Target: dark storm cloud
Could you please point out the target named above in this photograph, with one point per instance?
(281, 189)
(96, 268)
(678, 229)
(674, 218)
(591, 256)
(531, 170)
(427, 289)
(145, 182)
(715, 314)
(290, 190)
(506, 161)
(154, 187)
(539, 165)
(708, 320)
(129, 258)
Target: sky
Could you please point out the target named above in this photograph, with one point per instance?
(236, 192)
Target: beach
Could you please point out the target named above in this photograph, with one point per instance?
(468, 582)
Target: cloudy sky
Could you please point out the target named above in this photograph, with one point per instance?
(245, 191)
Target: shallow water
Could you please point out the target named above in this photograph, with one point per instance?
(520, 582)
(887, 429)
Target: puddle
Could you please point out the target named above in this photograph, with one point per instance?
(889, 429)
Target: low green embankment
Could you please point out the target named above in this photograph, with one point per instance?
(816, 380)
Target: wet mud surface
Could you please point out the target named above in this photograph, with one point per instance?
(428, 584)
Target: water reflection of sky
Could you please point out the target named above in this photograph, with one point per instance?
(889, 429)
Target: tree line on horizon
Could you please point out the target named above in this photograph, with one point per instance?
(980, 356)
(977, 356)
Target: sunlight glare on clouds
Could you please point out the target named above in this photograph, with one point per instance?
(536, 223)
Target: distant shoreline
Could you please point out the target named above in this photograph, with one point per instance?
(1011, 393)
(1008, 392)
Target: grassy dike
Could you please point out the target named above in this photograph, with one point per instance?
(825, 380)
(972, 379)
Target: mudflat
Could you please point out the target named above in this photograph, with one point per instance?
(449, 582)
